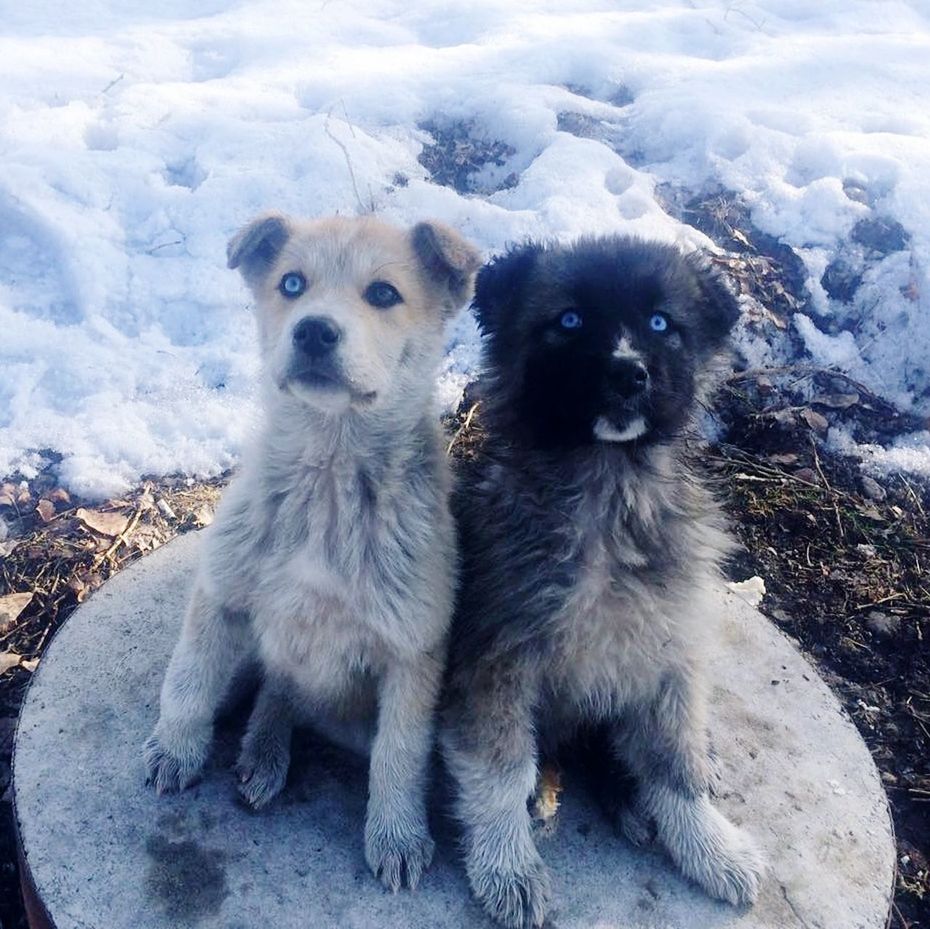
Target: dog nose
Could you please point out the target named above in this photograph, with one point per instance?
(629, 377)
(316, 336)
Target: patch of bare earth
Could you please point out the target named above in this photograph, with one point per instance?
(55, 550)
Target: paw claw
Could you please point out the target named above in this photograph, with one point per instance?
(261, 771)
(398, 859)
(518, 899)
(170, 771)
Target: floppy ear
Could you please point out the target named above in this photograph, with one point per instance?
(448, 260)
(717, 305)
(500, 283)
(254, 248)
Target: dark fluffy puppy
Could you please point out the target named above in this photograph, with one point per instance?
(588, 549)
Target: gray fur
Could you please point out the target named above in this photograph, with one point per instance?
(582, 603)
(332, 556)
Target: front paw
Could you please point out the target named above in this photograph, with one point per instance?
(261, 776)
(399, 851)
(517, 897)
(174, 761)
(732, 868)
(710, 850)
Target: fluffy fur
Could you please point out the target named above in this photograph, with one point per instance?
(587, 550)
(332, 556)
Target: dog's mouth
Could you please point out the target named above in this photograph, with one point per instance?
(325, 384)
(627, 428)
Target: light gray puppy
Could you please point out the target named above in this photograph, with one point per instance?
(332, 556)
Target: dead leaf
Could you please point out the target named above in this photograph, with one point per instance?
(739, 237)
(6, 499)
(808, 475)
(8, 660)
(108, 524)
(203, 515)
(871, 512)
(784, 458)
(59, 495)
(23, 497)
(814, 419)
(46, 510)
(7, 546)
(11, 605)
(837, 401)
(30, 664)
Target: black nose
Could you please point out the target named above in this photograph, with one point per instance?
(316, 336)
(629, 377)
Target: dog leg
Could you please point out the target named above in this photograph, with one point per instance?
(398, 845)
(211, 648)
(665, 744)
(490, 749)
(266, 747)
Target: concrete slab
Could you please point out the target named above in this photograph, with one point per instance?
(105, 852)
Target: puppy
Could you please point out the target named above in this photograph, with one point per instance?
(332, 556)
(587, 548)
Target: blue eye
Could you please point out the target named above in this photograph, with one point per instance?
(293, 284)
(570, 320)
(658, 322)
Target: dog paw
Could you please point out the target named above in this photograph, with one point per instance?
(261, 778)
(174, 764)
(398, 855)
(734, 870)
(517, 898)
(720, 857)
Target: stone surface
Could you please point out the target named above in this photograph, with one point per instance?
(104, 851)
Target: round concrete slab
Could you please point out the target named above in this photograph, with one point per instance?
(104, 851)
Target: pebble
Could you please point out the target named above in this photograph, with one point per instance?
(883, 625)
(872, 489)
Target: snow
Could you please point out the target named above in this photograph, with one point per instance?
(136, 138)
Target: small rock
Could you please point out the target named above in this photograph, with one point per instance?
(841, 280)
(883, 625)
(872, 489)
(881, 234)
(808, 475)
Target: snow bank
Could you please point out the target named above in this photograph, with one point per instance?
(136, 138)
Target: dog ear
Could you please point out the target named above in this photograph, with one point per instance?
(500, 282)
(255, 246)
(717, 305)
(448, 261)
